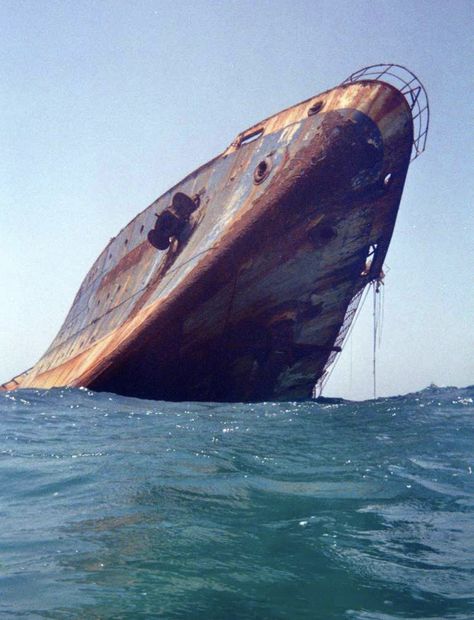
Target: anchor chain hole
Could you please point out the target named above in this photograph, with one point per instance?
(262, 170)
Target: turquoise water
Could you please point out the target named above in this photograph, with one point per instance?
(113, 507)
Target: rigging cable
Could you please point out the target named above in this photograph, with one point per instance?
(374, 344)
(377, 315)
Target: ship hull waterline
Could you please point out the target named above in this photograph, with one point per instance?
(248, 300)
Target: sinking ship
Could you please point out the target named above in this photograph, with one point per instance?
(241, 282)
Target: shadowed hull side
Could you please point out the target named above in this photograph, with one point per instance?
(249, 299)
(262, 324)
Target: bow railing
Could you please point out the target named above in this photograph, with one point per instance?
(411, 88)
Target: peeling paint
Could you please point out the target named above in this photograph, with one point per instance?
(248, 300)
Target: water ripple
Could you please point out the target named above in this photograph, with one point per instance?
(116, 507)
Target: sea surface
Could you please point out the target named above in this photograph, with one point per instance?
(115, 507)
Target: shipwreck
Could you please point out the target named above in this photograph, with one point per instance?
(241, 282)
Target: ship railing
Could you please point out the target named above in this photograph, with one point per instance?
(414, 92)
(8, 385)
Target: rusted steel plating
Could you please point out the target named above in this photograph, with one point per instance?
(240, 282)
(413, 90)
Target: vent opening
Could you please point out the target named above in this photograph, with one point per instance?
(250, 137)
(315, 108)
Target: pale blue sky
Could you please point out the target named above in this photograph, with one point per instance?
(105, 105)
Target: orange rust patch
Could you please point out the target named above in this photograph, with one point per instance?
(129, 260)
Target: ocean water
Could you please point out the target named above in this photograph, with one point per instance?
(115, 507)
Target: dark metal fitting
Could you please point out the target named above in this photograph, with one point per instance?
(262, 170)
(315, 108)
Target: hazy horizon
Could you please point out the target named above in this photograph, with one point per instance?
(107, 105)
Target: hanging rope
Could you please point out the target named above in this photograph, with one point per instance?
(377, 315)
(374, 343)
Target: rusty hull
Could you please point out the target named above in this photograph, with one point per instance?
(247, 302)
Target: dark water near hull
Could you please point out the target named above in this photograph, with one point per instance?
(113, 507)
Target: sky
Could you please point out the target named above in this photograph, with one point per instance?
(106, 104)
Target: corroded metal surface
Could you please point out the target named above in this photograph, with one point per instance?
(248, 299)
